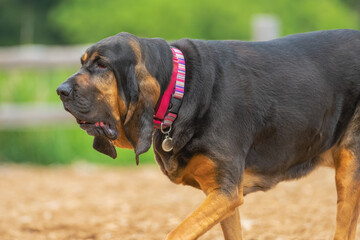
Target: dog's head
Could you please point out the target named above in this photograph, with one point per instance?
(114, 93)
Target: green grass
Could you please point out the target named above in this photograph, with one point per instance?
(48, 145)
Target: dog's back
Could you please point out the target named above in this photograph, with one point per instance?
(296, 95)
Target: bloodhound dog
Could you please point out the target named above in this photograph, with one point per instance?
(236, 117)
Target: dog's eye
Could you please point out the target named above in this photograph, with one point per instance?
(100, 65)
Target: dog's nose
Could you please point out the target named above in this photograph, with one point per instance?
(64, 89)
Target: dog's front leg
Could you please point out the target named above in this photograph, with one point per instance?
(231, 226)
(216, 207)
(220, 203)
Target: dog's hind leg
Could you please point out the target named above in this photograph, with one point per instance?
(231, 226)
(347, 167)
(216, 207)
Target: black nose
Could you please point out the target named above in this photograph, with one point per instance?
(64, 89)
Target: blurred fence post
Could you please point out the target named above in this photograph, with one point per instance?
(265, 27)
(40, 56)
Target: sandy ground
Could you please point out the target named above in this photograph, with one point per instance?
(88, 202)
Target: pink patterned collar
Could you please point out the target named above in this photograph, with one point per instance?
(168, 107)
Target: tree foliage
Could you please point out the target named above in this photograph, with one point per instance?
(91, 20)
(26, 21)
(86, 21)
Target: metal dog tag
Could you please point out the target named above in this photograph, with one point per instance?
(167, 145)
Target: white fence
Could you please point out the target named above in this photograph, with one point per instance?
(19, 116)
(38, 56)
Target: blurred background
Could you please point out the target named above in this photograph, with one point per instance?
(41, 43)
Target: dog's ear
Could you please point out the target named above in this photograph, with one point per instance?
(105, 146)
(140, 75)
(138, 124)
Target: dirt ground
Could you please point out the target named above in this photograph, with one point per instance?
(89, 202)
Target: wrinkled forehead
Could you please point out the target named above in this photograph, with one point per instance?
(112, 48)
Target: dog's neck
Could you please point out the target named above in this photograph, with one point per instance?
(168, 106)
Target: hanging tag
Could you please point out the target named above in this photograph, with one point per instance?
(167, 144)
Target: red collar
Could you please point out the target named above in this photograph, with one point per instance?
(168, 107)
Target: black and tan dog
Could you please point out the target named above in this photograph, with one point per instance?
(253, 114)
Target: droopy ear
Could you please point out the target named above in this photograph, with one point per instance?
(138, 124)
(105, 146)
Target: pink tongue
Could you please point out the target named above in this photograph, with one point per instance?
(108, 131)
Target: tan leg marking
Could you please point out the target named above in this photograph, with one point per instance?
(348, 189)
(201, 171)
(354, 221)
(231, 226)
(216, 207)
